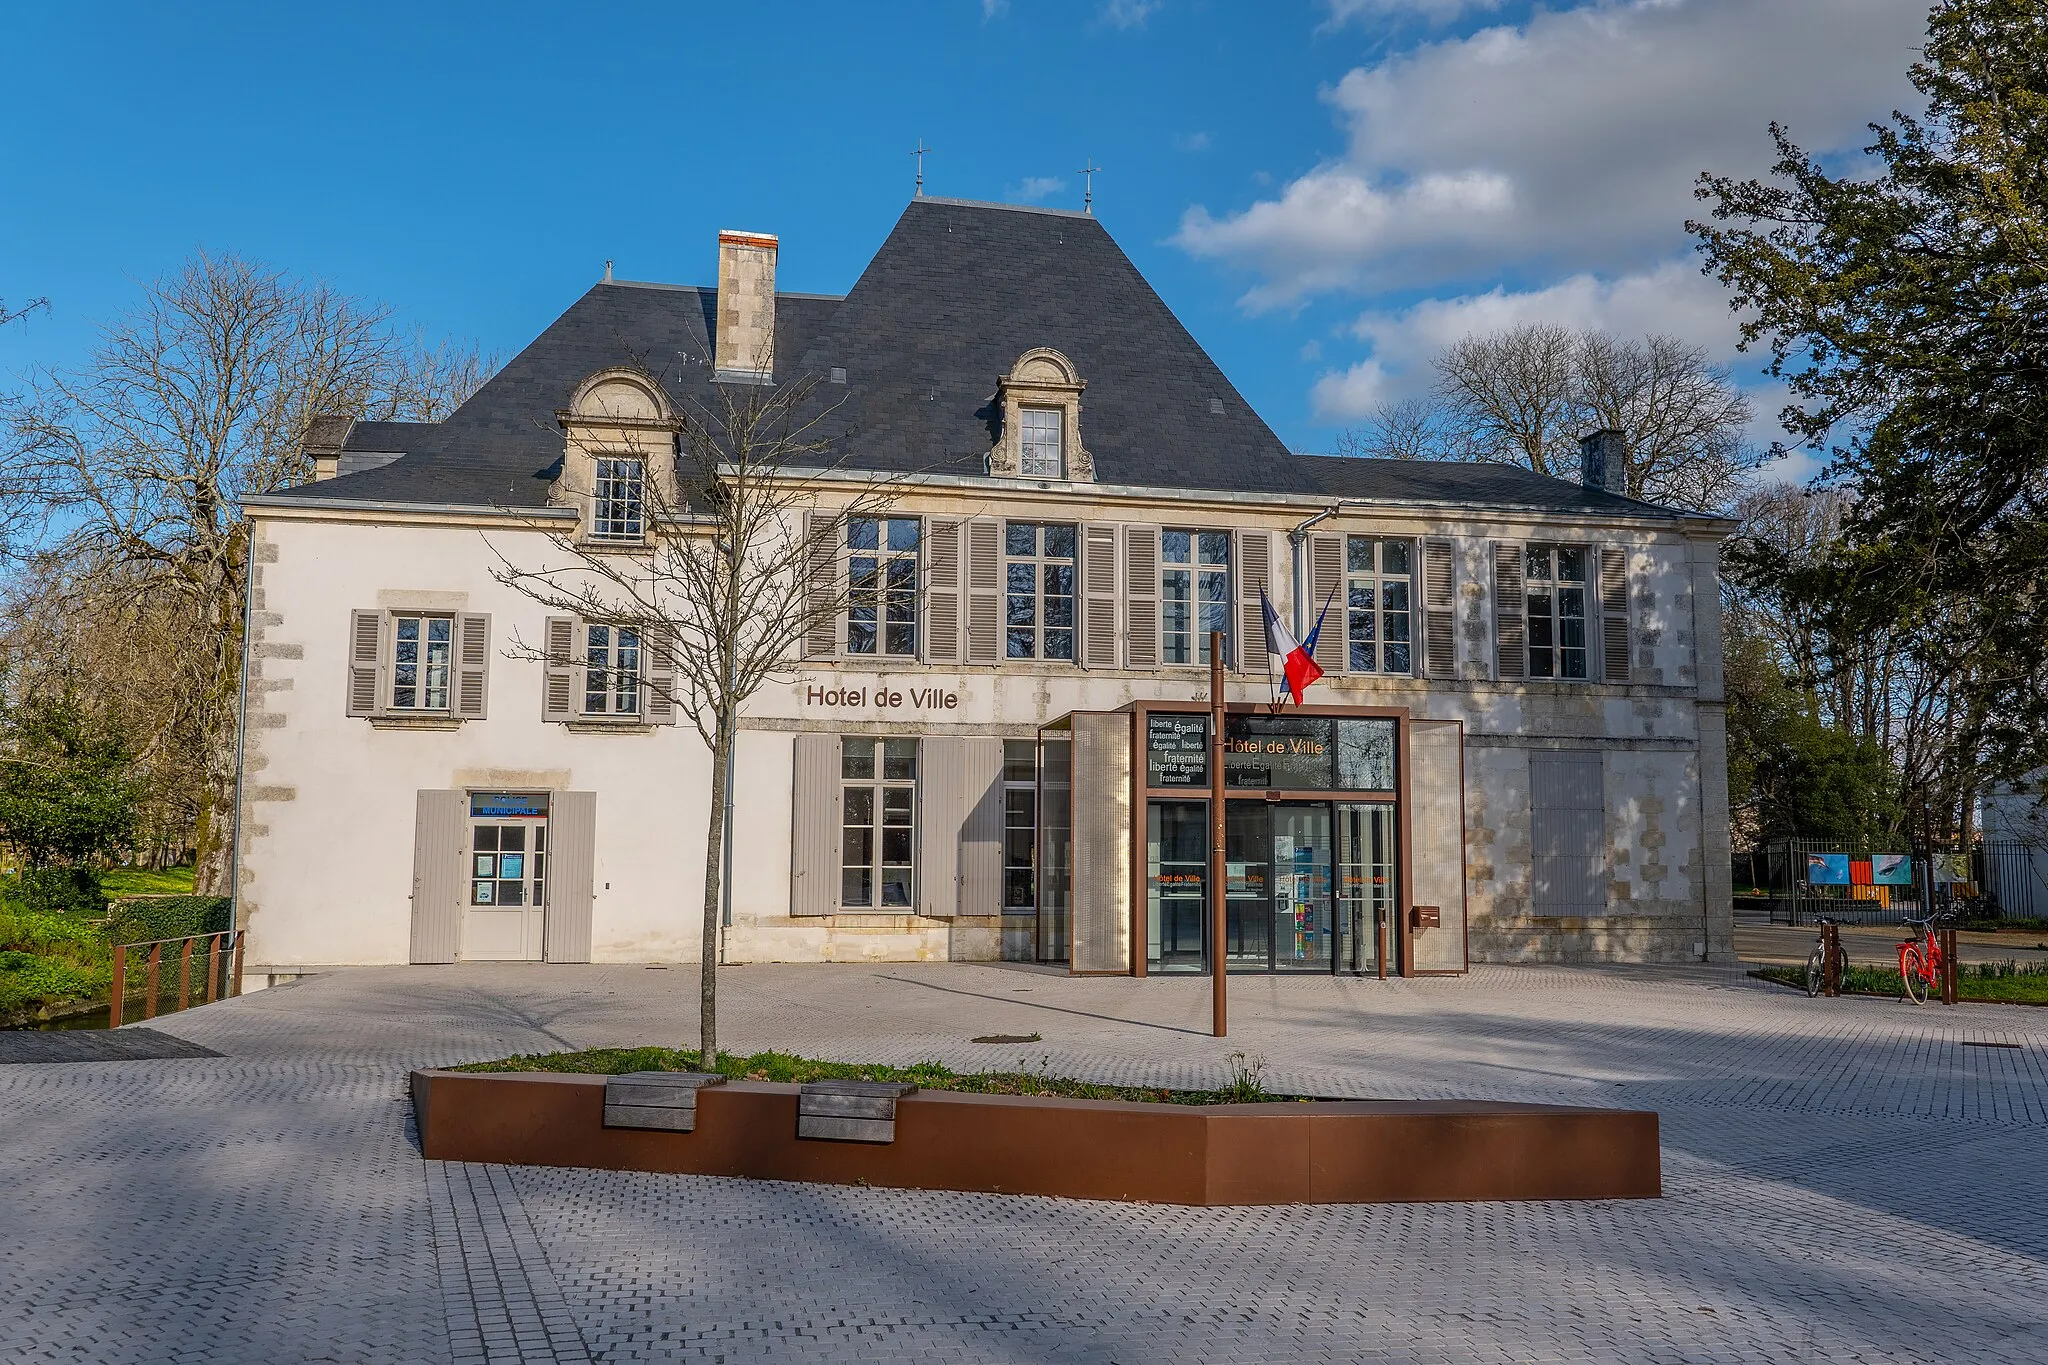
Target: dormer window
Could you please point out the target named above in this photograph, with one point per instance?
(1043, 457)
(618, 508)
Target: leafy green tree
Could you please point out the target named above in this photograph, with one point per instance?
(1902, 302)
(66, 795)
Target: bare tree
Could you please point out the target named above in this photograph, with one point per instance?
(1683, 417)
(1514, 394)
(130, 470)
(8, 315)
(728, 585)
(1411, 429)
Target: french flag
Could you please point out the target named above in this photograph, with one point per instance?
(1298, 661)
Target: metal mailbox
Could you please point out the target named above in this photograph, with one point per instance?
(1426, 917)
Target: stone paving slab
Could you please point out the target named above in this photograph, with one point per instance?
(1845, 1180)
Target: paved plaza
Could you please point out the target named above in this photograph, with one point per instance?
(1845, 1180)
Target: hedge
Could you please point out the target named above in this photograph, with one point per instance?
(143, 919)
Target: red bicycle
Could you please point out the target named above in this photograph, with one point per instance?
(1920, 962)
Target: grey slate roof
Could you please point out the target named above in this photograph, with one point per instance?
(955, 294)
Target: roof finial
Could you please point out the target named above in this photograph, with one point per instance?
(1087, 174)
(918, 152)
(607, 272)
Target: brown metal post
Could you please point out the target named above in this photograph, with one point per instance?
(120, 985)
(185, 974)
(1951, 986)
(213, 969)
(1218, 920)
(1831, 959)
(238, 964)
(156, 960)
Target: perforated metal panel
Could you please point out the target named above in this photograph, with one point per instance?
(1436, 831)
(1101, 933)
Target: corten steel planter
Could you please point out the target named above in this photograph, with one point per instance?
(1337, 1152)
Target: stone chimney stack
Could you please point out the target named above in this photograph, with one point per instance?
(325, 436)
(1603, 461)
(745, 346)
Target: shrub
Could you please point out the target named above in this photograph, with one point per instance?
(28, 982)
(144, 919)
(61, 891)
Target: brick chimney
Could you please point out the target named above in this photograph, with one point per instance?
(1603, 461)
(745, 346)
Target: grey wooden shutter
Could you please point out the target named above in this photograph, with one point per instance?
(1326, 585)
(1567, 833)
(942, 591)
(1141, 596)
(440, 853)
(984, 591)
(1614, 633)
(472, 664)
(365, 663)
(814, 826)
(572, 875)
(658, 670)
(981, 839)
(1439, 608)
(1254, 576)
(1098, 597)
(824, 602)
(1510, 630)
(941, 811)
(558, 682)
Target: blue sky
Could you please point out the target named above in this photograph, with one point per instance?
(1323, 191)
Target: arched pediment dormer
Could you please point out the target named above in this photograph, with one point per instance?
(618, 455)
(621, 394)
(1038, 403)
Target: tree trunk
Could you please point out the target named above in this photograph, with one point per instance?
(714, 855)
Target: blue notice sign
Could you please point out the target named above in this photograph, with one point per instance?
(508, 805)
(1827, 869)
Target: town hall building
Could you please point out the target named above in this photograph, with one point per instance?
(998, 746)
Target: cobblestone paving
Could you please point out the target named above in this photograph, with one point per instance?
(1849, 1180)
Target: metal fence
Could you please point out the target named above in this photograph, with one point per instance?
(1990, 879)
(205, 967)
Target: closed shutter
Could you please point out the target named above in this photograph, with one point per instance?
(658, 660)
(365, 663)
(981, 839)
(572, 875)
(941, 811)
(942, 591)
(1098, 597)
(440, 850)
(823, 600)
(1141, 596)
(472, 664)
(814, 826)
(558, 682)
(1439, 609)
(1254, 576)
(1614, 633)
(1510, 637)
(1326, 590)
(1567, 834)
(984, 591)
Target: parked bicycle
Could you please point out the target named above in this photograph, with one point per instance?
(1817, 961)
(1920, 960)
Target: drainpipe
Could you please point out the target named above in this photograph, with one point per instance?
(1297, 540)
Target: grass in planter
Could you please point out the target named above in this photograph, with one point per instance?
(1996, 982)
(1246, 1087)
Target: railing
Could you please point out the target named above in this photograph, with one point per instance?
(221, 963)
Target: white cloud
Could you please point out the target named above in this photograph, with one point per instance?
(1129, 13)
(1435, 11)
(1567, 143)
(1192, 142)
(1036, 187)
(994, 9)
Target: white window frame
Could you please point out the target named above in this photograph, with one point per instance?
(423, 687)
(1042, 567)
(1042, 443)
(881, 588)
(1390, 632)
(1545, 599)
(618, 678)
(1184, 583)
(1027, 788)
(885, 783)
(618, 498)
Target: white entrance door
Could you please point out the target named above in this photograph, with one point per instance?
(505, 917)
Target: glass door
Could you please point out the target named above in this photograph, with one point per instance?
(1177, 881)
(1247, 880)
(1303, 937)
(504, 920)
(1365, 887)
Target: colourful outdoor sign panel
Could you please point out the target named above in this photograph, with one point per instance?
(1827, 869)
(1891, 869)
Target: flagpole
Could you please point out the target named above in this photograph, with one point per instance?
(1219, 1005)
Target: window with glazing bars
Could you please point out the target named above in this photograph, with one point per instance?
(1020, 825)
(611, 671)
(1378, 588)
(1042, 456)
(1194, 593)
(618, 508)
(881, 585)
(878, 822)
(1038, 607)
(421, 652)
(1554, 577)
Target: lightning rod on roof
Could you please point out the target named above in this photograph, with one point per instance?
(1087, 174)
(918, 152)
